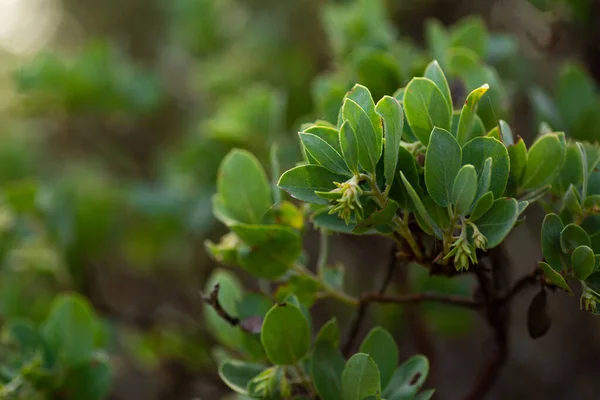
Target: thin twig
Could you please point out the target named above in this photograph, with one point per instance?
(530, 279)
(212, 299)
(363, 305)
(460, 301)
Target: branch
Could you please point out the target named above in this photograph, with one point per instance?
(212, 299)
(497, 318)
(530, 279)
(460, 301)
(362, 305)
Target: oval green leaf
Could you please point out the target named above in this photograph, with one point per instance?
(426, 108)
(408, 379)
(382, 347)
(442, 163)
(324, 154)
(497, 223)
(349, 146)
(369, 139)
(583, 262)
(551, 248)
(464, 189)
(544, 161)
(302, 182)
(360, 378)
(285, 334)
(393, 124)
(237, 374)
(478, 150)
(482, 206)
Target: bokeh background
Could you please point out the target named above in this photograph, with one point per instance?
(115, 114)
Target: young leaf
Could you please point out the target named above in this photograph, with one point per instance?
(496, 224)
(485, 178)
(572, 171)
(554, 277)
(425, 108)
(360, 378)
(327, 133)
(302, 182)
(478, 150)
(506, 133)
(269, 384)
(369, 139)
(230, 293)
(349, 146)
(408, 379)
(425, 394)
(237, 374)
(243, 187)
(470, 33)
(268, 251)
(544, 161)
(324, 154)
(442, 163)
(482, 205)
(464, 188)
(435, 73)
(393, 123)
(420, 209)
(551, 248)
(573, 236)
(468, 113)
(518, 161)
(285, 334)
(330, 333)
(572, 201)
(362, 96)
(382, 347)
(437, 40)
(583, 261)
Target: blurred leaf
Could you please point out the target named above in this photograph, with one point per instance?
(237, 374)
(243, 187)
(407, 379)
(230, 293)
(573, 236)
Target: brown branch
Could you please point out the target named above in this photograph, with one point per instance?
(531, 279)
(460, 301)
(361, 312)
(497, 318)
(212, 299)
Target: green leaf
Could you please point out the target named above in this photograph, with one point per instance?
(382, 347)
(328, 134)
(408, 379)
(583, 261)
(572, 201)
(237, 374)
(369, 139)
(302, 182)
(485, 178)
(349, 146)
(468, 113)
(230, 293)
(442, 163)
(544, 161)
(221, 212)
(330, 333)
(478, 150)
(551, 248)
(482, 205)
(496, 224)
(271, 383)
(327, 365)
(324, 154)
(268, 250)
(327, 362)
(573, 236)
(438, 214)
(420, 208)
(380, 218)
(518, 162)
(285, 334)
(435, 73)
(243, 187)
(362, 96)
(398, 192)
(89, 382)
(304, 288)
(360, 378)
(393, 124)
(507, 135)
(571, 172)
(554, 277)
(425, 108)
(70, 329)
(575, 94)
(464, 188)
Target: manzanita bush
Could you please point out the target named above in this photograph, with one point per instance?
(421, 169)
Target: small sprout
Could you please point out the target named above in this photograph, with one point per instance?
(589, 298)
(479, 240)
(349, 203)
(463, 251)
